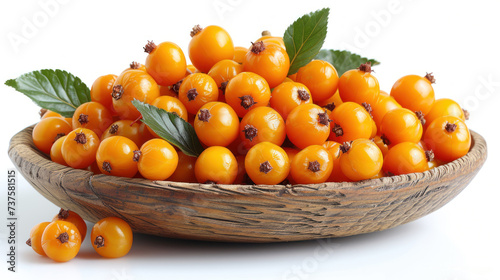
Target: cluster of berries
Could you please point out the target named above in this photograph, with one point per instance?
(257, 123)
(61, 239)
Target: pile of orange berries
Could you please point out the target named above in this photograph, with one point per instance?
(256, 123)
(61, 239)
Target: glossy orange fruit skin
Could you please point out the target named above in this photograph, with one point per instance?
(358, 86)
(47, 131)
(54, 248)
(267, 125)
(117, 152)
(135, 131)
(216, 164)
(444, 107)
(291, 153)
(101, 91)
(267, 164)
(206, 91)
(414, 93)
(220, 128)
(209, 46)
(171, 104)
(272, 63)
(401, 125)
(75, 219)
(354, 121)
(138, 85)
(272, 39)
(301, 170)
(93, 116)
(382, 106)
(320, 77)
(405, 158)
(222, 72)
(185, 169)
(247, 84)
(80, 155)
(304, 128)
(362, 161)
(117, 235)
(241, 176)
(158, 160)
(334, 149)
(381, 145)
(239, 54)
(166, 64)
(36, 238)
(55, 152)
(448, 145)
(288, 95)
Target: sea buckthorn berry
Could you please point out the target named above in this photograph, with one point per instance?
(246, 91)
(269, 60)
(308, 124)
(404, 158)
(157, 159)
(267, 164)
(47, 131)
(237, 147)
(165, 62)
(208, 46)
(262, 124)
(312, 165)
(384, 104)
(289, 95)
(361, 159)
(334, 149)
(35, 240)
(414, 92)
(350, 121)
(400, 125)
(112, 237)
(130, 85)
(320, 77)
(79, 149)
(74, 218)
(117, 156)
(216, 124)
(448, 137)
(222, 72)
(239, 54)
(444, 107)
(169, 91)
(44, 113)
(216, 165)
(185, 169)
(197, 90)
(101, 91)
(135, 131)
(172, 105)
(61, 241)
(93, 116)
(359, 85)
(55, 151)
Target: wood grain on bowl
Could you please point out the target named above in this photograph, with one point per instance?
(247, 213)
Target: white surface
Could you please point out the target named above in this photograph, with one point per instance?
(456, 40)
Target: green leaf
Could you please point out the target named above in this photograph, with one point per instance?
(304, 38)
(344, 60)
(170, 127)
(55, 90)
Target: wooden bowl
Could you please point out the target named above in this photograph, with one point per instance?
(247, 213)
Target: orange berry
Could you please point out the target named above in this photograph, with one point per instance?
(165, 62)
(448, 137)
(47, 131)
(93, 116)
(157, 160)
(312, 165)
(350, 121)
(414, 92)
(216, 124)
(287, 96)
(35, 240)
(262, 124)
(112, 237)
(222, 72)
(267, 164)
(360, 159)
(359, 85)
(197, 90)
(208, 46)
(101, 91)
(79, 148)
(307, 124)
(246, 91)
(401, 125)
(269, 60)
(118, 156)
(216, 165)
(404, 158)
(61, 241)
(74, 218)
(185, 169)
(320, 77)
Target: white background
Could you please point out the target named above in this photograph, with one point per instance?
(456, 40)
